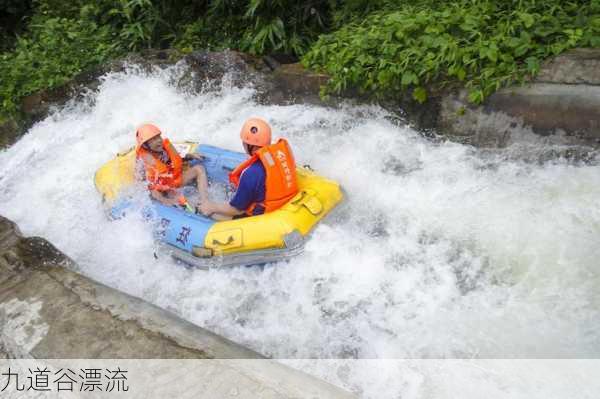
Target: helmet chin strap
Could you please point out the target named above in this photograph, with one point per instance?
(250, 148)
(147, 147)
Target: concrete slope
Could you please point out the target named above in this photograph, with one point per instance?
(50, 312)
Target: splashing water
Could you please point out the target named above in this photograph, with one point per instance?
(439, 251)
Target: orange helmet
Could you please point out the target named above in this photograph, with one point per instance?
(256, 132)
(144, 133)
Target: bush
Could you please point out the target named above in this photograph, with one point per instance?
(139, 23)
(258, 26)
(285, 26)
(383, 47)
(12, 14)
(56, 50)
(481, 44)
(211, 34)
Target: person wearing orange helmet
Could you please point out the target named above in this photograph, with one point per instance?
(164, 168)
(264, 182)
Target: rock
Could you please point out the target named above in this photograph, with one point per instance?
(283, 58)
(9, 233)
(577, 66)
(462, 122)
(275, 82)
(295, 80)
(423, 117)
(36, 106)
(9, 131)
(208, 68)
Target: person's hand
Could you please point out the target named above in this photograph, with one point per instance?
(205, 208)
(172, 202)
(166, 201)
(192, 156)
(163, 198)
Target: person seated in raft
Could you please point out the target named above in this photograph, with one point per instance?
(165, 170)
(264, 182)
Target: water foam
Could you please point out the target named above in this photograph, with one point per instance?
(440, 250)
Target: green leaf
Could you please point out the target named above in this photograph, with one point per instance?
(533, 65)
(521, 50)
(420, 94)
(475, 96)
(594, 41)
(408, 78)
(512, 42)
(492, 55)
(527, 19)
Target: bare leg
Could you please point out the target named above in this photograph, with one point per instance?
(199, 174)
(219, 218)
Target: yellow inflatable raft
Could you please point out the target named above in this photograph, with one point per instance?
(204, 243)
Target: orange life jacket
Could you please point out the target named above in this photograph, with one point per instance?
(280, 181)
(162, 176)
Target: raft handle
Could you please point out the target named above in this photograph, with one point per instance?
(309, 201)
(300, 198)
(202, 252)
(229, 241)
(227, 168)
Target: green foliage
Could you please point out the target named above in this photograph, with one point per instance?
(383, 47)
(287, 26)
(137, 21)
(481, 44)
(55, 51)
(258, 26)
(12, 14)
(208, 34)
(139, 24)
(355, 10)
(65, 37)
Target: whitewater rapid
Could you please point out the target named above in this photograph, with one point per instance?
(439, 251)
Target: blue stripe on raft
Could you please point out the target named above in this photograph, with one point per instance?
(172, 225)
(175, 226)
(179, 228)
(219, 162)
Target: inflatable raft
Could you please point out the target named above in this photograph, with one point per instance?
(205, 243)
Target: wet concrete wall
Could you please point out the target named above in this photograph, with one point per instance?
(562, 101)
(47, 311)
